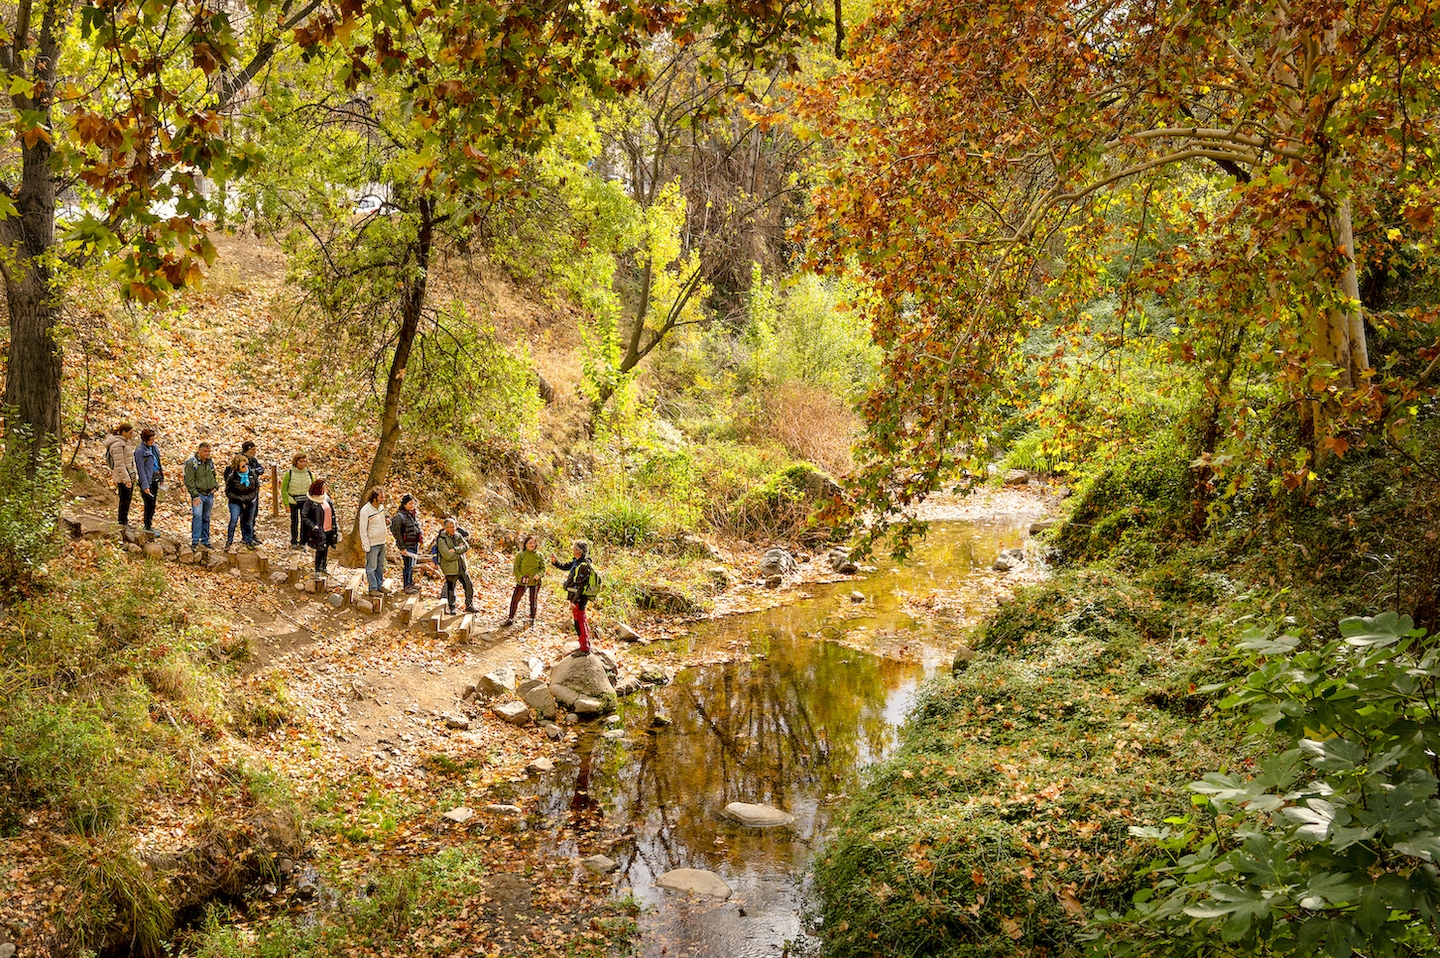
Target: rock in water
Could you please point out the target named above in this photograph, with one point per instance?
(587, 707)
(516, 713)
(758, 816)
(541, 765)
(599, 864)
(777, 562)
(774, 581)
(627, 685)
(1042, 525)
(857, 596)
(695, 881)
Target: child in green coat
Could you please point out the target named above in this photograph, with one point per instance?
(529, 568)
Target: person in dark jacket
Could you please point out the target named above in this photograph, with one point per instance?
(149, 475)
(257, 476)
(405, 527)
(529, 568)
(452, 546)
(241, 490)
(580, 589)
(319, 524)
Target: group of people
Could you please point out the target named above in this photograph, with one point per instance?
(314, 524)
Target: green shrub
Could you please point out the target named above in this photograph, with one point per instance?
(114, 900)
(1136, 507)
(619, 520)
(29, 511)
(782, 505)
(66, 756)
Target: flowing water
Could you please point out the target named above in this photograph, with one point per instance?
(791, 720)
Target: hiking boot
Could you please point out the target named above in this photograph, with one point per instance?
(449, 611)
(507, 623)
(579, 652)
(471, 609)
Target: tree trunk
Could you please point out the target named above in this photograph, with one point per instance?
(34, 369)
(412, 309)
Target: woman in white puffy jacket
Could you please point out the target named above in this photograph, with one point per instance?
(120, 457)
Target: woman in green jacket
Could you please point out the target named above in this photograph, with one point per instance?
(529, 567)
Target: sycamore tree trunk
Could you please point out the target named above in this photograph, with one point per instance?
(1338, 337)
(34, 364)
(412, 308)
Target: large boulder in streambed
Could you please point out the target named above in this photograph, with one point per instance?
(694, 881)
(583, 676)
(777, 562)
(758, 816)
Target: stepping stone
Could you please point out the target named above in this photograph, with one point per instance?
(695, 881)
(553, 732)
(758, 816)
(460, 815)
(516, 713)
(498, 682)
(586, 706)
(279, 578)
(217, 563)
(599, 864)
(336, 601)
(614, 733)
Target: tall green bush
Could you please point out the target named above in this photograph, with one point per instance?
(31, 491)
(1330, 844)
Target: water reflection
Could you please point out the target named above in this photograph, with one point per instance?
(792, 724)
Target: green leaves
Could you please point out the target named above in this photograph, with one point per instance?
(1320, 851)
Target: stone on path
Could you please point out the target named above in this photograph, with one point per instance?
(516, 713)
(541, 765)
(460, 815)
(457, 722)
(695, 881)
(536, 694)
(498, 682)
(217, 562)
(1017, 477)
(279, 577)
(532, 667)
(335, 601)
(599, 864)
(777, 562)
(499, 809)
(7, 950)
(625, 633)
(758, 816)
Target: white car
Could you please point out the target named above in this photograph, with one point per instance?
(372, 205)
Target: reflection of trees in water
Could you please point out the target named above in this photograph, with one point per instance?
(785, 730)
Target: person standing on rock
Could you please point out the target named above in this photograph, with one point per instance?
(452, 546)
(295, 486)
(257, 476)
(372, 539)
(241, 490)
(120, 457)
(582, 583)
(200, 485)
(318, 524)
(409, 534)
(149, 475)
(529, 568)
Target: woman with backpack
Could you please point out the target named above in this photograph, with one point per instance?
(319, 524)
(120, 457)
(408, 533)
(241, 490)
(295, 486)
(529, 568)
(582, 583)
(148, 475)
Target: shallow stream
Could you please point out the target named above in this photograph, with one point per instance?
(790, 719)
